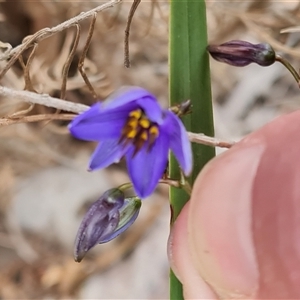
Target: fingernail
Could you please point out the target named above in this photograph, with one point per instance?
(220, 220)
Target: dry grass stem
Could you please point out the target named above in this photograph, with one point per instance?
(28, 83)
(68, 63)
(150, 19)
(35, 118)
(83, 56)
(133, 8)
(42, 99)
(266, 37)
(292, 29)
(203, 139)
(22, 112)
(14, 53)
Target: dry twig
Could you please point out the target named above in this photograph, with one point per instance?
(83, 56)
(250, 22)
(42, 99)
(76, 108)
(68, 63)
(26, 68)
(14, 53)
(133, 8)
(36, 118)
(203, 139)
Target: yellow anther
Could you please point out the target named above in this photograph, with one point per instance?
(131, 134)
(154, 130)
(132, 122)
(144, 135)
(136, 114)
(145, 123)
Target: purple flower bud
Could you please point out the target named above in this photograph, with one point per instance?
(241, 53)
(132, 124)
(108, 217)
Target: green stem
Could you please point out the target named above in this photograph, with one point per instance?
(292, 70)
(189, 79)
(125, 186)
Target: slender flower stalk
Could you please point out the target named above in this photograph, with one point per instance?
(288, 66)
(131, 123)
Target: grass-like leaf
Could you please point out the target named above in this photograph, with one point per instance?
(189, 79)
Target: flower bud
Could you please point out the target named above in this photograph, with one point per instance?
(241, 53)
(108, 217)
(128, 214)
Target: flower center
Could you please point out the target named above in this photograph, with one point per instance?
(138, 130)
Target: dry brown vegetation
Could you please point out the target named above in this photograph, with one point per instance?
(32, 266)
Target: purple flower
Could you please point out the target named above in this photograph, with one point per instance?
(241, 53)
(108, 217)
(132, 124)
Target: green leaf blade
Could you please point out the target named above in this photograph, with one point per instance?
(189, 79)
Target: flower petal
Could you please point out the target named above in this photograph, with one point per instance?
(96, 124)
(93, 233)
(137, 97)
(101, 219)
(105, 120)
(125, 96)
(147, 167)
(128, 214)
(151, 108)
(110, 228)
(106, 153)
(179, 141)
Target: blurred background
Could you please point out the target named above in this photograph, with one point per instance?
(44, 186)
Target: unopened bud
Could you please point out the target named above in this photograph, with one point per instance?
(128, 214)
(241, 53)
(108, 217)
